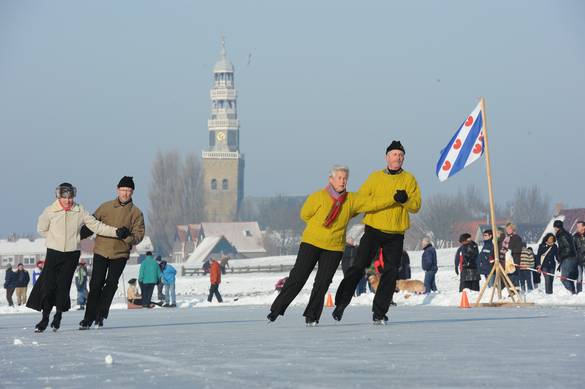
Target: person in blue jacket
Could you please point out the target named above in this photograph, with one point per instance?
(485, 259)
(168, 277)
(429, 265)
(9, 284)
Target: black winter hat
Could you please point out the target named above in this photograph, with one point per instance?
(126, 182)
(558, 224)
(464, 237)
(395, 145)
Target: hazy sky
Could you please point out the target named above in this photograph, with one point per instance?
(90, 92)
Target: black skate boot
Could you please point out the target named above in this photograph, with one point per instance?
(56, 323)
(380, 321)
(42, 325)
(85, 324)
(337, 313)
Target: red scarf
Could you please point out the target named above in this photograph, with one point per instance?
(338, 200)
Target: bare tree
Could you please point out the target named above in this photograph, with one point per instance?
(174, 197)
(530, 206)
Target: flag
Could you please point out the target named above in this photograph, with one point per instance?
(465, 147)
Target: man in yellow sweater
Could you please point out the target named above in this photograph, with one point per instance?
(326, 213)
(384, 228)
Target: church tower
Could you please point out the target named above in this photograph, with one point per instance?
(222, 163)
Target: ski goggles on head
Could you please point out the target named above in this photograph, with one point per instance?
(65, 192)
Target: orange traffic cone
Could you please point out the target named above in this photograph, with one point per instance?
(329, 303)
(464, 301)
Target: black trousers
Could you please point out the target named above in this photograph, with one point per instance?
(371, 241)
(307, 258)
(214, 291)
(147, 290)
(53, 286)
(103, 286)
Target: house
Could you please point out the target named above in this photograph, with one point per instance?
(246, 237)
(25, 251)
(215, 247)
(186, 239)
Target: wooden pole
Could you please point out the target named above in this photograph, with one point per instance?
(499, 273)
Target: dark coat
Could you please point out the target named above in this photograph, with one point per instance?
(566, 245)
(515, 248)
(22, 278)
(486, 257)
(466, 262)
(547, 263)
(10, 279)
(404, 269)
(429, 259)
(580, 247)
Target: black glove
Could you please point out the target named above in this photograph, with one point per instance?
(122, 232)
(85, 232)
(400, 196)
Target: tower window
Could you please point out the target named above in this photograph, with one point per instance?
(224, 184)
(214, 184)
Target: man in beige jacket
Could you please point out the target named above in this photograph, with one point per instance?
(110, 255)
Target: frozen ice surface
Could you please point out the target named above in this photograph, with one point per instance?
(233, 347)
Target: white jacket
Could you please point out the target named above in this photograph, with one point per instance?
(61, 228)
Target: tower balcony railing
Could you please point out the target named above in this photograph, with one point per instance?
(222, 154)
(223, 123)
(223, 94)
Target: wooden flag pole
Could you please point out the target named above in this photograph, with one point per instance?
(497, 271)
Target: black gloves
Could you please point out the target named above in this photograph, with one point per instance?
(400, 196)
(122, 232)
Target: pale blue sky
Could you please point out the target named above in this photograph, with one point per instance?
(89, 91)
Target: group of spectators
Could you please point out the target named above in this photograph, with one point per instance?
(560, 251)
(153, 273)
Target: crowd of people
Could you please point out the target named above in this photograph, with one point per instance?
(559, 252)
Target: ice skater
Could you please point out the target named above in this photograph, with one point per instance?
(384, 228)
(60, 224)
(110, 255)
(326, 213)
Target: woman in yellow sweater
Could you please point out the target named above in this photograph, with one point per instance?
(326, 213)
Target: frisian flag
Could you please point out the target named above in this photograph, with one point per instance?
(466, 146)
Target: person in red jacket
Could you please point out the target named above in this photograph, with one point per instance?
(215, 278)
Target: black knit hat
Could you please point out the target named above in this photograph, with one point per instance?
(558, 224)
(126, 182)
(395, 145)
(464, 237)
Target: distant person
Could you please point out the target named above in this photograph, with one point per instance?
(567, 256)
(326, 213)
(384, 228)
(168, 278)
(60, 224)
(132, 293)
(429, 265)
(513, 243)
(111, 255)
(22, 280)
(404, 272)
(526, 263)
(466, 263)
(224, 263)
(37, 271)
(9, 284)
(486, 256)
(148, 276)
(547, 255)
(579, 239)
(81, 284)
(160, 286)
(215, 280)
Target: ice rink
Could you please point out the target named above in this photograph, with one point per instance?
(221, 347)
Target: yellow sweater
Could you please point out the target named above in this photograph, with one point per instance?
(317, 207)
(394, 219)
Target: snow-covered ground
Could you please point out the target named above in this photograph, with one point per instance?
(234, 347)
(258, 288)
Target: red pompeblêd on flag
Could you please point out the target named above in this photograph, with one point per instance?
(465, 147)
